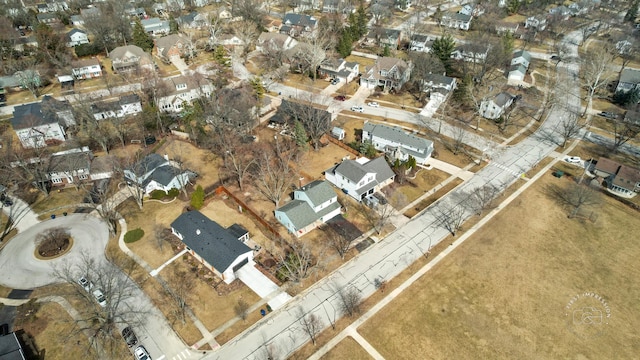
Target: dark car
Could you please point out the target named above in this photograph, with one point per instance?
(129, 336)
(608, 115)
(340, 98)
(149, 140)
(7, 201)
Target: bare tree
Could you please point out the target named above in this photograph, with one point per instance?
(595, 73)
(100, 323)
(576, 197)
(242, 309)
(377, 217)
(481, 198)
(569, 126)
(450, 215)
(305, 57)
(381, 10)
(624, 130)
(316, 122)
(311, 324)
(34, 165)
(273, 174)
(297, 263)
(160, 235)
(337, 239)
(350, 299)
(104, 203)
(247, 31)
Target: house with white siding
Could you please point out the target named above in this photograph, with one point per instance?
(361, 177)
(396, 143)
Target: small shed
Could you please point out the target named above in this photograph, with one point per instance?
(66, 81)
(338, 133)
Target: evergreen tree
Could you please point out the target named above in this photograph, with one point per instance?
(173, 25)
(300, 135)
(362, 21)
(461, 93)
(442, 49)
(386, 52)
(197, 198)
(140, 37)
(632, 13)
(220, 56)
(345, 42)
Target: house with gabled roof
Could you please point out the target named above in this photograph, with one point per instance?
(77, 165)
(618, 178)
(519, 65)
(274, 41)
(629, 80)
(313, 205)
(361, 177)
(181, 90)
(494, 107)
(339, 69)
(76, 37)
(130, 58)
(385, 37)
(298, 24)
(124, 106)
(156, 26)
(456, 20)
(42, 123)
(420, 42)
(170, 45)
(217, 248)
(86, 68)
(396, 143)
(389, 73)
(193, 20)
(155, 172)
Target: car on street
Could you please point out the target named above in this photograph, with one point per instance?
(608, 115)
(359, 109)
(573, 159)
(129, 336)
(7, 202)
(335, 81)
(340, 98)
(141, 353)
(373, 104)
(102, 301)
(86, 284)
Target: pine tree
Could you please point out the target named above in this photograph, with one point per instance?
(442, 49)
(386, 52)
(632, 13)
(345, 41)
(300, 136)
(140, 37)
(197, 198)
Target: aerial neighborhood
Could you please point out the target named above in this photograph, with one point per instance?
(260, 179)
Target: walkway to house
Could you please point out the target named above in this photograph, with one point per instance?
(179, 63)
(450, 169)
(260, 284)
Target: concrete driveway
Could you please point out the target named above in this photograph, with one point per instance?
(90, 235)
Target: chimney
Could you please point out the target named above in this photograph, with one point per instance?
(197, 231)
(166, 157)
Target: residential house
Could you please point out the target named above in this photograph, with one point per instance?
(298, 24)
(337, 7)
(51, 6)
(505, 27)
(124, 106)
(519, 65)
(171, 45)
(183, 89)
(229, 40)
(74, 166)
(361, 177)
(471, 52)
(629, 80)
(474, 10)
(456, 20)
(338, 69)
(193, 20)
(538, 22)
(385, 37)
(76, 37)
(618, 178)
(494, 107)
(396, 143)
(155, 172)
(217, 248)
(47, 18)
(86, 68)
(76, 20)
(306, 5)
(25, 43)
(135, 12)
(130, 58)
(312, 205)
(440, 83)
(560, 12)
(42, 123)
(389, 73)
(19, 79)
(155, 26)
(88, 14)
(421, 43)
(403, 5)
(273, 41)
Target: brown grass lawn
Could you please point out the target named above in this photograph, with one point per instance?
(50, 328)
(424, 181)
(238, 327)
(313, 163)
(396, 100)
(57, 198)
(362, 61)
(515, 19)
(347, 349)
(304, 82)
(226, 215)
(210, 307)
(504, 293)
(348, 89)
(204, 162)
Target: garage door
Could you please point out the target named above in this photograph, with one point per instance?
(241, 264)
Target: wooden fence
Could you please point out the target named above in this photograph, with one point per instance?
(221, 189)
(344, 146)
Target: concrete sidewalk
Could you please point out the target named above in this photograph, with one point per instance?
(21, 214)
(450, 169)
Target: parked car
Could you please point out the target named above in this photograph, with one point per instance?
(86, 284)
(373, 104)
(141, 353)
(7, 201)
(359, 109)
(608, 115)
(340, 98)
(573, 159)
(129, 336)
(102, 301)
(335, 81)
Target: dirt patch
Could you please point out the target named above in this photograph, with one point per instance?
(504, 293)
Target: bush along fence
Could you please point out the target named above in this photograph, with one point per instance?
(221, 189)
(344, 146)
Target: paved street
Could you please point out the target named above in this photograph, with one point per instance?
(281, 331)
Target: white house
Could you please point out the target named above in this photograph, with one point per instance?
(456, 20)
(183, 90)
(76, 37)
(275, 41)
(396, 143)
(629, 80)
(86, 69)
(76, 165)
(155, 172)
(421, 43)
(437, 82)
(124, 106)
(217, 248)
(298, 24)
(313, 205)
(519, 65)
(472, 52)
(339, 69)
(155, 26)
(494, 108)
(43, 123)
(389, 73)
(361, 177)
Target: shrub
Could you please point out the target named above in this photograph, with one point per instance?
(133, 235)
(197, 198)
(173, 192)
(158, 194)
(89, 49)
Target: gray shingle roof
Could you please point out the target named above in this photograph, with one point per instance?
(318, 192)
(397, 135)
(522, 53)
(301, 214)
(502, 98)
(147, 164)
(351, 170)
(162, 175)
(215, 244)
(631, 76)
(35, 114)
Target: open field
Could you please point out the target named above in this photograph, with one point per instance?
(347, 349)
(506, 292)
(316, 162)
